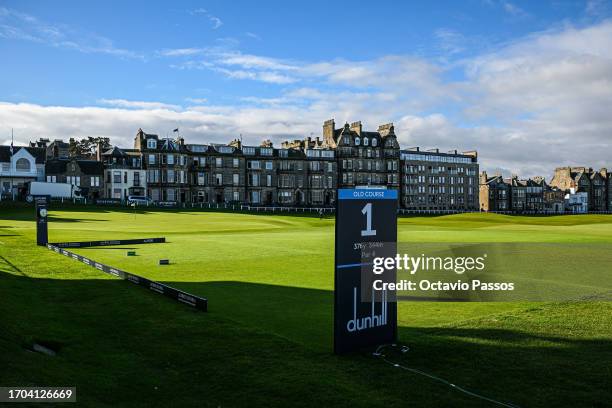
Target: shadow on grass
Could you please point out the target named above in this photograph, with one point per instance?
(508, 363)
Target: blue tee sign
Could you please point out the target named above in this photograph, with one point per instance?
(366, 226)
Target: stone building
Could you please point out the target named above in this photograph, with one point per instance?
(511, 194)
(124, 174)
(305, 172)
(494, 193)
(432, 180)
(322, 175)
(87, 175)
(167, 169)
(587, 180)
(364, 158)
(261, 174)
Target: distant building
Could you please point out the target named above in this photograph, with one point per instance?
(124, 174)
(364, 158)
(494, 193)
(554, 200)
(511, 194)
(167, 169)
(25, 164)
(87, 175)
(577, 202)
(433, 180)
(582, 179)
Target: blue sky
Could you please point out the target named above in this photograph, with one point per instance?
(483, 74)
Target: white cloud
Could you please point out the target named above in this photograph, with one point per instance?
(252, 35)
(514, 10)
(123, 103)
(532, 105)
(214, 20)
(15, 25)
(198, 101)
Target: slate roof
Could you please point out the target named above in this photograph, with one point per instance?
(115, 152)
(37, 152)
(89, 167)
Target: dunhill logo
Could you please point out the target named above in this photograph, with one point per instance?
(368, 322)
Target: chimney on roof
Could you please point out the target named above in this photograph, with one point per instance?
(99, 151)
(236, 143)
(483, 177)
(386, 129)
(356, 127)
(328, 132)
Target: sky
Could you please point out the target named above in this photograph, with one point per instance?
(526, 84)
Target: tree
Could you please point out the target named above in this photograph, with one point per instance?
(86, 147)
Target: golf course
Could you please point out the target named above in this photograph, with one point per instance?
(267, 336)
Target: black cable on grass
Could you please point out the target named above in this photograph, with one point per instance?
(378, 353)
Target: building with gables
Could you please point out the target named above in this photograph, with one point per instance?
(87, 175)
(584, 179)
(167, 167)
(18, 166)
(124, 174)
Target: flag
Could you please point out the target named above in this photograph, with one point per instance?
(12, 141)
(175, 130)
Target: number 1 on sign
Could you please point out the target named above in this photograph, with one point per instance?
(367, 211)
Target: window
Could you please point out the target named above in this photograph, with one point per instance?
(170, 159)
(170, 177)
(269, 180)
(94, 181)
(153, 176)
(248, 150)
(236, 162)
(265, 151)
(171, 194)
(136, 179)
(219, 162)
(254, 180)
(255, 197)
(236, 179)
(201, 178)
(218, 179)
(269, 165)
(23, 165)
(151, 143)
(236, 196)
(254, 165)
(365, 141)
(357, 141)
(151, 159)
(125, 177)
(117, 193)
(117, 177)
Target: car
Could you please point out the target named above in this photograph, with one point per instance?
(142, 200)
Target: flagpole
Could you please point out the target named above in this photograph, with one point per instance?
(11, 163)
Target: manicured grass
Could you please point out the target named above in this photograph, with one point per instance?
(267, 337)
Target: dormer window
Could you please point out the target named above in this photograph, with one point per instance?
(374, 142)
(151, 144)
(357, 141)
(365, 141)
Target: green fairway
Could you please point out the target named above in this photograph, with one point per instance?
(266, 339)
